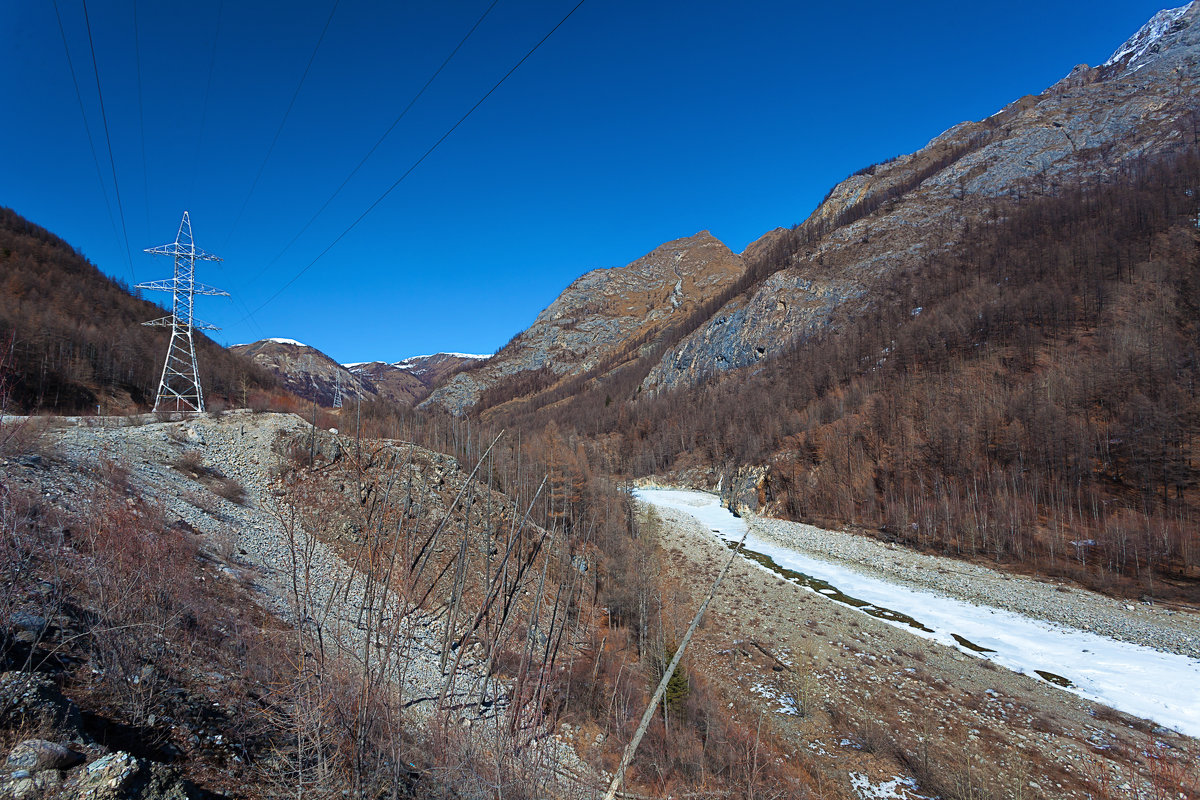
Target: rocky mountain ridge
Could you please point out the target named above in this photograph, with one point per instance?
(411, 380)
(306, 371)
(1143, 102)
(309, 373)
(601, 313)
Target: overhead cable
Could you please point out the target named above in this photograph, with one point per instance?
(87, 128)
(378, 142)
(282, 122)
(424, 156)
(212, 63)
(108, 139)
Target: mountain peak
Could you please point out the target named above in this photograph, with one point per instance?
(1147, 41)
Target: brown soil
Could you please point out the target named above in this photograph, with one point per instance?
(880, 702)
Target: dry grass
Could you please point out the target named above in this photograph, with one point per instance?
(191, 463)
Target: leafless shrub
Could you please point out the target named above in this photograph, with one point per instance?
(1045, 723)
(190, 462)
(25, 436)
(1109, 714)
(230, 489)
(202, 500)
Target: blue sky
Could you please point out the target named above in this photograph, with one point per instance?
(634, 124)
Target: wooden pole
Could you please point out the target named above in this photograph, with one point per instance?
(619, 777)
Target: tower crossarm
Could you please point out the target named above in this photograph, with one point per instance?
(161, 322)
(176, 249)
(166, 285)
(200, 288)
(167, 322)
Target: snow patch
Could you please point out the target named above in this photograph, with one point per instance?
(1144, 40)
(1137, 680)
(895, 789)
(286, 341)
(411, 361)
(787, 703)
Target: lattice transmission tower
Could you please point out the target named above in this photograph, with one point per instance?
(179, 385)
(337, 390)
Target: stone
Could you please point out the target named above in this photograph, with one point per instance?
(121, 776)
(29, 622)
(34, 701)
(36, 755)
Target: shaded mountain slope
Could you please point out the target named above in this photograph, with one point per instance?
(306, 371)
(412, 380)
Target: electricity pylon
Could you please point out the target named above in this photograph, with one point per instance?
(337, 390)
(180, 381)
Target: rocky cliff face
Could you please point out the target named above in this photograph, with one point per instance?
(601, 317)
(410, 381)
(1143, 101)
(306, 371)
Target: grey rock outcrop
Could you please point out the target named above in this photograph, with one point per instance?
(1142, 102)
(306, 371)
(602, 316)
(37, 755)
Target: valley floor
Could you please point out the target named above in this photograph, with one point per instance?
(862, 701)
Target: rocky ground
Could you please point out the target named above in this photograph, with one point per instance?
(251, 535)
(224, 481)
(1159, 626)
(868, 705)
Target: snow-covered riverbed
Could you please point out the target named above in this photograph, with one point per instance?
(1137, 680)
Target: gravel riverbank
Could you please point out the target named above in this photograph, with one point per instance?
(1144, 624)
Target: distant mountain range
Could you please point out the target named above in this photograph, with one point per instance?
(307, 372)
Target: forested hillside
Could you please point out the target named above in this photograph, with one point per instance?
(1029, 396)
(72, 337)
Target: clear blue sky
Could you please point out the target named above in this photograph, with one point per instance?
(636, 123)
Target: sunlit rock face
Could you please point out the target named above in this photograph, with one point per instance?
(598, 321)
(891, 217)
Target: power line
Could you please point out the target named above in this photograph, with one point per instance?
(87, 128)
(282, 122)
(137, 50)
(108, 139)
(378, 142)
(212, 62)
(424, 156)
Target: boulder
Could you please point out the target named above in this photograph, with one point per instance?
(38, 755)
(120, 776)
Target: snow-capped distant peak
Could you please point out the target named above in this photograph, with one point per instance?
(1141, 42)
(286, 341)
(412, 361)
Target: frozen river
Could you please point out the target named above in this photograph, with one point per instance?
(1163, 687)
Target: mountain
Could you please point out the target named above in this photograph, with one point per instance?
(306, 371)
(599, 322)
(895, 216)
(887, 219)
(410, 381)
